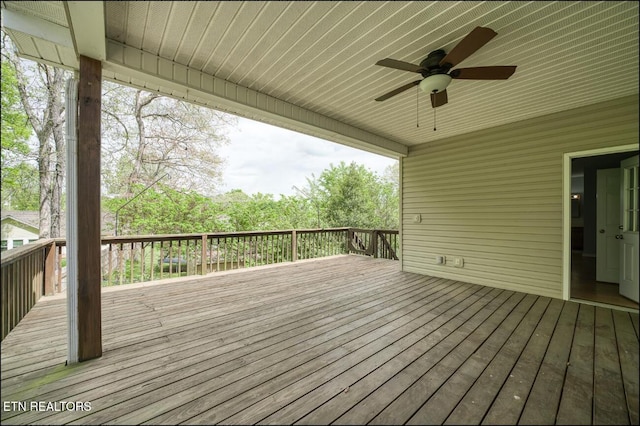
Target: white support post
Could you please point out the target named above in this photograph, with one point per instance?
(72, 220)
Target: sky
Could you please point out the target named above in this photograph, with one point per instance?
(271, 160)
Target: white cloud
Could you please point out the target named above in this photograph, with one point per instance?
(268, 159)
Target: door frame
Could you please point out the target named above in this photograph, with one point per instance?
(566, 206)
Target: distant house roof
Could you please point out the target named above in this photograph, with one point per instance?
(25, 217)
(31, 219)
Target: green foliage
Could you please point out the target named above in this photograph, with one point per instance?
(342, 196)
(353, 196)
(20, 187)
(167, 211)
(19, 178)
(164, 210)
(261, 212)
(15, 127)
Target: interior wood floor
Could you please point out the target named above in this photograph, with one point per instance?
(585, 287)
(342, 340)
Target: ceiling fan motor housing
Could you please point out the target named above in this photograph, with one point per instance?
(431, 64)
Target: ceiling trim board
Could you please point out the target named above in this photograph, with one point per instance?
(87, 24)
(37, 27)
(221, 94)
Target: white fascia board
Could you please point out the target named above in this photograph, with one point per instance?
(179, 81)
(37, 27)
(44, 61)
(87, 23)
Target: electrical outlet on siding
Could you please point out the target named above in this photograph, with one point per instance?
(458, 262)
(441, 260)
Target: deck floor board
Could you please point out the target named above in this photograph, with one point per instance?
(610, 405)
(346, 339)
(473, 387)
(576, 404)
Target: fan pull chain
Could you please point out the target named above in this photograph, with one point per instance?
(417, 106)
(434, 119)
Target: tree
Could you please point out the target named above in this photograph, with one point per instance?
(147, 135)
(41, 92)
(18, 176)
(389, 207)
(351, 195)
(261, 212)
(164, 210)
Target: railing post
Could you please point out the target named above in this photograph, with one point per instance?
(203, 260)
(374, 243)
(59, 267)
(49, 268)
(294, 246)
(348, 240)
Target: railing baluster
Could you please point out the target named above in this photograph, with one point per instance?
(294, 246)
(188, 258)
(110, 263)
(161, 259)
(152, 267)
(24, 273)
(217, 254)
(59, 268)
(142, 262)
(203, 255)
(278, 248)
(226, 252)
(242, 256)
(120, 265)
(131, 262)
(170, 258)
(179, 266)
(13, 313)
(5, 301)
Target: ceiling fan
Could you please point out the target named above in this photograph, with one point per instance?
(435, 68)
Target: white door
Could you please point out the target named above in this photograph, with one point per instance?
(607, 224)
(628, 235)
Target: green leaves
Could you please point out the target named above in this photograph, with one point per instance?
(164, 210)
(19, 178)
(343, 195)
(352, 195)
(15, 127)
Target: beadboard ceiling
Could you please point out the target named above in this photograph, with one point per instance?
(319, 58)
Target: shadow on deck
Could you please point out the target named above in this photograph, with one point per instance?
(347, 339)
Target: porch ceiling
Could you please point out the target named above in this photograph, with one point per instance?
(310, 66)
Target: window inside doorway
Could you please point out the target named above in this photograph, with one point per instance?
(630, 200)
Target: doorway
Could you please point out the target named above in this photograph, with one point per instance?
(592, 269)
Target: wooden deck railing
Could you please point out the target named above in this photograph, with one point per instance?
(27, 273)
(38, 268)
(376, 243)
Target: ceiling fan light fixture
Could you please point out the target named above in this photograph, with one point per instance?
(435, 83)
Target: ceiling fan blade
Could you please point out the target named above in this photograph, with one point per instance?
(473, 41)
(399, 65)
(484, 73)
(398, 90)
(439, 98)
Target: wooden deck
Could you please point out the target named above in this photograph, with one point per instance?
(346, 340)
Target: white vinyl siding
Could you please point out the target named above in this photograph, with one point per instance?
(494, 197)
